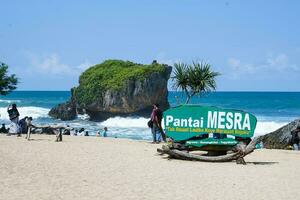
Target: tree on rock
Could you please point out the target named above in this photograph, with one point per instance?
(8, 83)
(194, 79)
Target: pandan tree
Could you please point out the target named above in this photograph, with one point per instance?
(194, 79)
(8, 83)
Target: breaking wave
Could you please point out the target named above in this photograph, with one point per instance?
(34, 112)
(9, 101)
(130, 127)
(262, 128)
(126, 122)
(265, 127)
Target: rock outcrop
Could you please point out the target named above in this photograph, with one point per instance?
(65, 111)
(117, 88)
(280, 138)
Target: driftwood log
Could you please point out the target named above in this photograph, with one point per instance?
(58, 130)
(237, 153)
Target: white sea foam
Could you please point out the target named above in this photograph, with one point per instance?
(126, 122)
(34, 112)
(84, 117)
(138, 126)
(265, 127)
(9, 101)
(131, 127)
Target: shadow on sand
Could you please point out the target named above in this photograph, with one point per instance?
(40, 140)
(262, 163)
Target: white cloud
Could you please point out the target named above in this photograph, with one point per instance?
(83, 66)
(238, 66)
(278, 63)
(52, 65)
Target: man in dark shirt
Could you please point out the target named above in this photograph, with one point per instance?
(156, 118)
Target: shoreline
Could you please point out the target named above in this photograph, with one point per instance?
(109, 168)
(271, 116)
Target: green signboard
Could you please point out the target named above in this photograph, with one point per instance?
(186, 121)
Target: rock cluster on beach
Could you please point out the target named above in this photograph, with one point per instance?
(117, 88)
(280, 138)
(64, 111)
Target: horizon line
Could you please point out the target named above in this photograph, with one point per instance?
(168, 91)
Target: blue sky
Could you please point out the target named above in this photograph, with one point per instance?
(254, 44)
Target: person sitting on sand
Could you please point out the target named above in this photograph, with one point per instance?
(23, 125)
(81, 131)
(3, 129)
(295, 138)
(98, 134)
(86, 133)
(67, 131)
(104, 133)
(72, 132)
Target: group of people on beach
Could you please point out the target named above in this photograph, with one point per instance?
(16, 126)
(81, 131)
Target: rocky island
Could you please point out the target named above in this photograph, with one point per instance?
(117, 88)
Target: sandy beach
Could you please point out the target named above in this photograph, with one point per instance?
(109, 168)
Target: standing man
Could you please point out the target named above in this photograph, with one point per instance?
(156, 117)
(28, 127)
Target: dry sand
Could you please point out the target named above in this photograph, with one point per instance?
(108, 168)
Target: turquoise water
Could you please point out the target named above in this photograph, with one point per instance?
(278, 105)
(273, 109)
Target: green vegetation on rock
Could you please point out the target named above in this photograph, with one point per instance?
(111, 75)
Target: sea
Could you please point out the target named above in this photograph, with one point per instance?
(272, 109)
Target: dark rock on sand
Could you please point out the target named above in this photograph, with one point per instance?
(64, 111)
(280, 138)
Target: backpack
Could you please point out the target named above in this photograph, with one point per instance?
(150, 123)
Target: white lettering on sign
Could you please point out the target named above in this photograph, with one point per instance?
(212, 119)
(190, 122)
(228, 120)
(247, 122)
(169, 119)
(215, 120)
(237, 121)
(221, 120)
